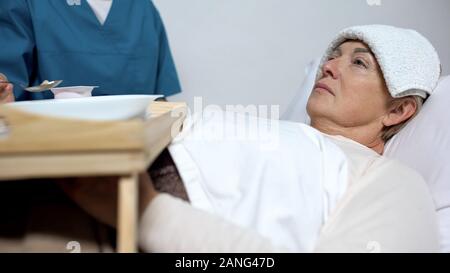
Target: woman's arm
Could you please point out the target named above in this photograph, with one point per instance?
(171, 225)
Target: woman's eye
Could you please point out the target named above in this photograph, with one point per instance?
(332, 57)
(360, 63)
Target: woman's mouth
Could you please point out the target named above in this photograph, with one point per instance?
(323, 87)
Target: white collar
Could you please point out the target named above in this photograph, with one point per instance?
(101, 9)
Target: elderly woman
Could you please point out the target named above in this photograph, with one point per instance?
(324, 187)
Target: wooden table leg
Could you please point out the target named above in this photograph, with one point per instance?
(127, 214)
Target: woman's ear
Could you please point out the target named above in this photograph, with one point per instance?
(399, 111)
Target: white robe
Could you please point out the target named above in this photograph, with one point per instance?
(280, 179)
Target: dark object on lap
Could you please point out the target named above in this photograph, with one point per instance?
(166, 177)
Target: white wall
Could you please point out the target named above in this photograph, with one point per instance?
(255, 51)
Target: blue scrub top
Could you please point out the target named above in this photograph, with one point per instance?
(57, 39)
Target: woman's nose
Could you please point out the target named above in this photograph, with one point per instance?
(331, 68)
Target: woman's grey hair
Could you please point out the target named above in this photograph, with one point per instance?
(389, 132)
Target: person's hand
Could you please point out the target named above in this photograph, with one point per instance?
(6, 90)
(98, 195)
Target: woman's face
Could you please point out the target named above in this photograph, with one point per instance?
(351, 91)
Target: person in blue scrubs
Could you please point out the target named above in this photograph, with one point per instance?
(63, 39)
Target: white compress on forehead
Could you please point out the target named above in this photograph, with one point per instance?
(408, 61)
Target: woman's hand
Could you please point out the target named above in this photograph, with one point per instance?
(98, 195)
(6, 90)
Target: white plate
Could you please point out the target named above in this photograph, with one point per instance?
(103, 108)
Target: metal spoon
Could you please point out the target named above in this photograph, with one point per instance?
(45, 85)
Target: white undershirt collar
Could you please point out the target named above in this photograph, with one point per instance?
(101, 9)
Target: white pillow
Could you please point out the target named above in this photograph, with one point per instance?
(424, 144)
(297, 109)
